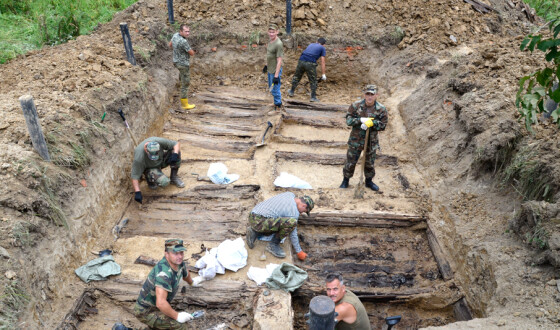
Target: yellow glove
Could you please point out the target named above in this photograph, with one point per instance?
(369, 122)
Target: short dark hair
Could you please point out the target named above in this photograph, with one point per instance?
(322, 41)
(335, 276)
(182, 26)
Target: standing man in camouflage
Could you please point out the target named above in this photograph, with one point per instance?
(182, 52)
(150, 156)
(351, 312)
(153, 304)
(278, 215)
(273, 67)
(308, 63)
(361, 116)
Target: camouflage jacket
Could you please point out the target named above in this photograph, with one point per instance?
(181, 50)
(357, 110)
(163, 276)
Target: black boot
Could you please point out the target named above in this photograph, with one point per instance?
(371, 185)
(175, 179)
(344, 183)
(275, 248)
(313, 98)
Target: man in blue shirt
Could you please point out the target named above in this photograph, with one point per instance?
(308, 63)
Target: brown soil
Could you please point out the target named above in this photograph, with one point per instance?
(452, 127)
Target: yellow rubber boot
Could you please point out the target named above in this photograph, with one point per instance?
(185, 104)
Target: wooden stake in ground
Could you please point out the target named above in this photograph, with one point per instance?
(360, 189)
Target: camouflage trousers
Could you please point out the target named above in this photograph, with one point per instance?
(154, 176)
(281, 226)
(352, 156)
(311, 70)
(155, 319)
(185, 78)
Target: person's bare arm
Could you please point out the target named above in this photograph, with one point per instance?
(177, 148)
(322, 58)
(346, 312)
(278, 66)
(191, 52)
(163, 305)
(170, 45)
(136, 185)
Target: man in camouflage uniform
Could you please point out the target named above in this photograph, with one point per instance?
(182, 52)
(278, 215)
(361, 116)
(153, 304)
(308, 63)
(150, 156)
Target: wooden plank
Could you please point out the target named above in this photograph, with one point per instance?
(354, 219)
(217, 129)
(79, 310)
(439, 255)
(330, 159)
(312, 119)
(293, 104)
(316, 143)
(214, 143)
(462, 311)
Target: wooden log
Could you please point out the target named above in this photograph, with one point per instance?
(313, 120)
(439, 255)
(127, 43)
(462, 311)
(480, 6)
(143, 260)
(34, 126)
(293, 104)
(353, 219)
(330, 159)
(82, 306)
(316, 143)
(311, 290)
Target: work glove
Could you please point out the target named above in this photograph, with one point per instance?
(364, 127)
(265, 69)
(276, 80)
(301, 255)
(138, 197)
(173, 158)
(197, 280)
(324, 77)
(184, 317)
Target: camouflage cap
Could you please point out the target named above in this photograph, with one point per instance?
(153, 150)
(372, 89)
(309, 202)
(272, 26)
(174, 245)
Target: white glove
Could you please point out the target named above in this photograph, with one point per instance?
(197, 280)
(364, 119)
(184, 317)
(324, 77)
(364, 127)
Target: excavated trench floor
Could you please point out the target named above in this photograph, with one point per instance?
(387, 254)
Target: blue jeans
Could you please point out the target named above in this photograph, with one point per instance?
(276, 89)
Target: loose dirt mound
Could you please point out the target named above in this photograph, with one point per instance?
(448, 71)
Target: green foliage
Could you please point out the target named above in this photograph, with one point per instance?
(534, 89)
(547, 9)
(12, 303)
(538, 236)
(26, 25)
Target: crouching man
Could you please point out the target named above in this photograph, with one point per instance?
(150, 156)
(153, 304)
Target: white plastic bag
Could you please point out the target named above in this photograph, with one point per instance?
(209, 266)
(259, 275)
(286, 180)
(217, 172)
(232, 255)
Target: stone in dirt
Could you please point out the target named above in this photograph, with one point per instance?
(10, 274)
(4, 253)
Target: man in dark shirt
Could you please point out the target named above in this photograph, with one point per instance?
(351, 312)
(308, 63)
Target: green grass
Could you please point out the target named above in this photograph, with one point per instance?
(547, 9)
(12, 302)
(29, 24)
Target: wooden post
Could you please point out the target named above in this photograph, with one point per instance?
(127, 43)
(288, 17)
(33, 126)
(170, 11)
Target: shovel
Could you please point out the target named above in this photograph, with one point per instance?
(360, 188)
(264, 135)
(121, 113)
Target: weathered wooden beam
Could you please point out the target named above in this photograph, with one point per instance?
(330, 159)
(439, 255)
(293, 104)
(313, 120)
(479, 6)
(310, 290)
(462, 311)
(354, 219)
(79, 310)
(316, 143)
(34, 126)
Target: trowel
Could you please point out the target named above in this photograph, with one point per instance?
(264, 135)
